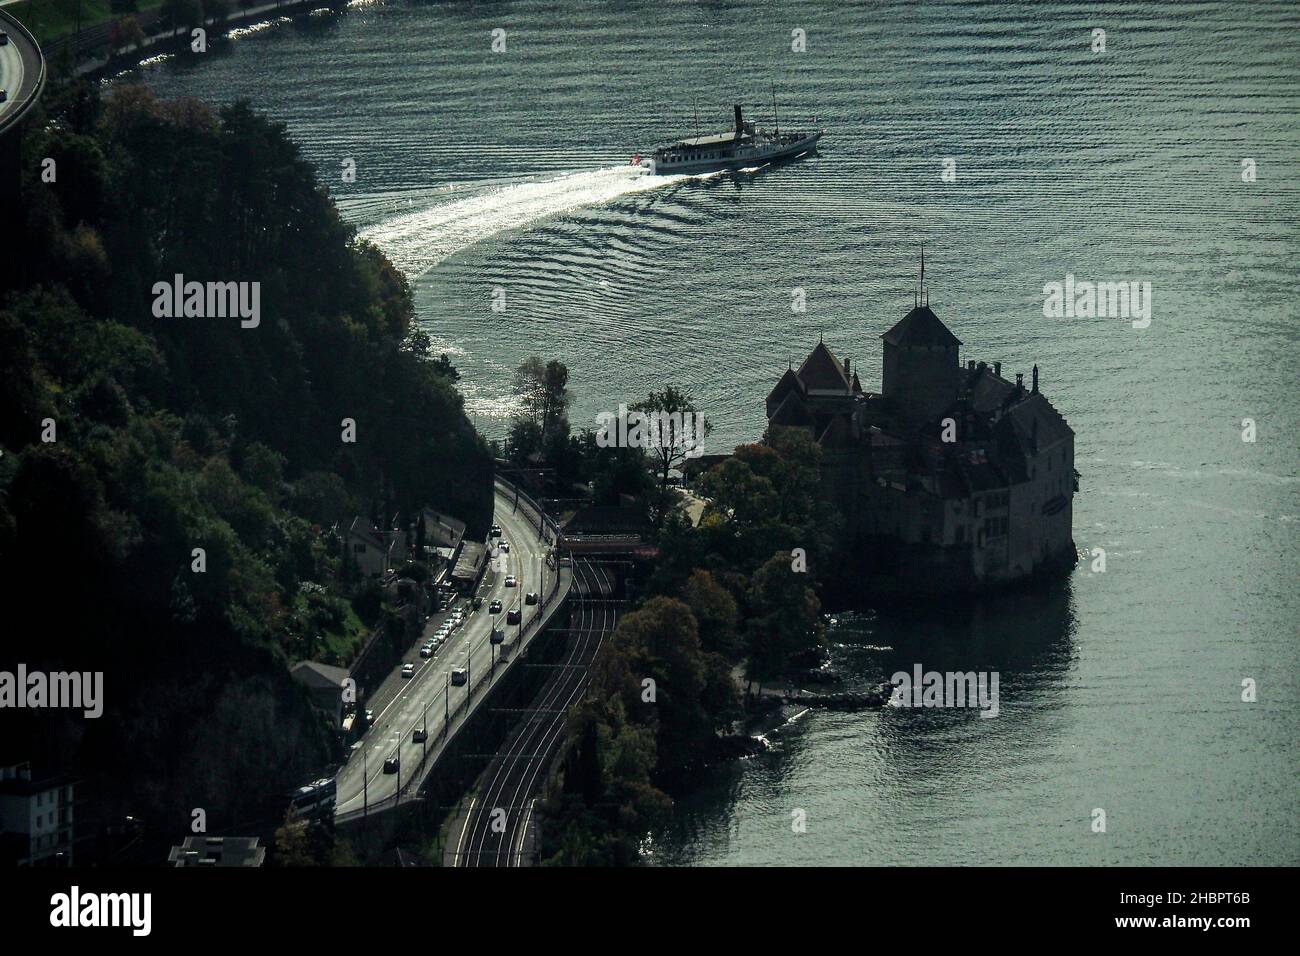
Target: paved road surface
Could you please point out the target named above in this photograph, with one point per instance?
(403, 704)
(20, 70)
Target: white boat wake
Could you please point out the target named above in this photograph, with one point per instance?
(415, 242)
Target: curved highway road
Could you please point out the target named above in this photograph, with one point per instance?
(22, 71)
(423, 701)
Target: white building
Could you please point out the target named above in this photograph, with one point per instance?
(36, 816)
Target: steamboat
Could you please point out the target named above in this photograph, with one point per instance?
(744, 146)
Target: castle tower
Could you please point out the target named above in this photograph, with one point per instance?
(921, 365)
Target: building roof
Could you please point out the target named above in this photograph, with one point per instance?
(471, 559)
(1037, 423)
(787, 383)
(823, 371)
(921, 327)
(792, 412)
(316, 675)
(365, 529)
(988, 391)
(18, 781)
(217, 851)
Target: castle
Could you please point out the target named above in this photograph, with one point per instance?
(951, 478)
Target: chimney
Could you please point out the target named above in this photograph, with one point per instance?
(1035, 379)
(970, 366)
(848, 374)
(997, 369)
(740, 126)
(1020, 381)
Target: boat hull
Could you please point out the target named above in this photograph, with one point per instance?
(753, 156)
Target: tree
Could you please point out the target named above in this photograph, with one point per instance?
(715, 610)
(125, 32)
(442, 366)
(544, 396)
(183, 14)
(523, 442)
(674, 440)
(218, 11)
(785, 618)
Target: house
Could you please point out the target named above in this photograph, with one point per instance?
(36, 817)
(325, 685)
(376, 552)
(217, 851)
(950, 477)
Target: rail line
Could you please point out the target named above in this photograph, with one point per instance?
(497, 823)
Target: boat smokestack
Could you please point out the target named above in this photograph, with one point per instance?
(740, 126)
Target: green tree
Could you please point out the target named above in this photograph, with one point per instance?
(544, 397)
(673, 442)
(716, 612)
(784, 619)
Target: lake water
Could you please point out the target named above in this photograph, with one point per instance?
(479, 171)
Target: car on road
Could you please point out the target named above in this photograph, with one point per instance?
(427, 650)
(498, 635)
(514, 616)
(478, 601)
(530, 597)
(3, 96)
(391, 765)
(420, 735)
(4, 38)
(496, 531)
(408, 670)
(505, 547)
(370, 716)
(511, 582)
(494, 607)
(459, 676)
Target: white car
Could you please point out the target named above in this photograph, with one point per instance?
(408, 670)
(427, 650)
(505, 547)
(511, 582)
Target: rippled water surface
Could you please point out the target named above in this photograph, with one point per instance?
(1122, 691)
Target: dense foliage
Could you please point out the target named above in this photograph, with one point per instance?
(733, 595)
(129, 440)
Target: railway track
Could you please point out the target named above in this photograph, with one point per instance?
(495, 831)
